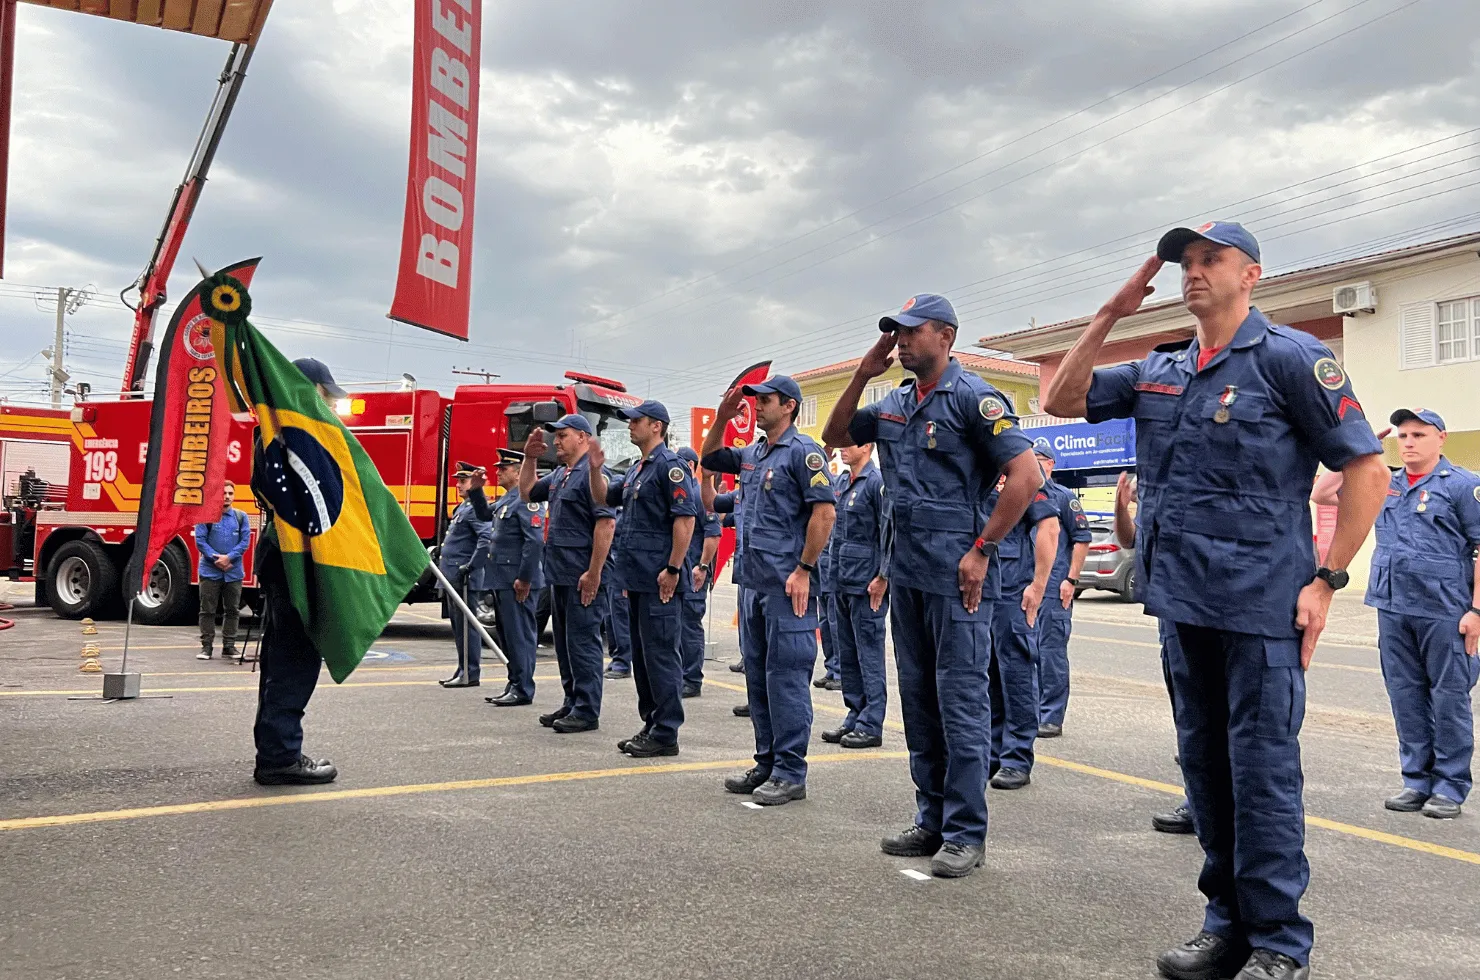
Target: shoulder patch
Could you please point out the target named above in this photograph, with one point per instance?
(533, 506)
(1001, 426)
(815, 461)
(1074, 504)
(1330, 374)
(991, 408)
(676, 474)
(1477, 493)
(820, 480)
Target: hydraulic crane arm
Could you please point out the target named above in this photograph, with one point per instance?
(152, 281)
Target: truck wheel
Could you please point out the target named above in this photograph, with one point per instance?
(81, 580)
(167, 596)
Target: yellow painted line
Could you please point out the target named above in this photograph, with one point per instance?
(1171, 789)
(410, 789)
(252, 686)
(234, 665)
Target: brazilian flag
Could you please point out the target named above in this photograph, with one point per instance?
(349, 551)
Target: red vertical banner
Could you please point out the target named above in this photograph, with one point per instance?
(435, 278)
(700, 419)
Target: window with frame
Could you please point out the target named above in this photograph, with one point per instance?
(1457, 330)
(876, 391)
(808, 417)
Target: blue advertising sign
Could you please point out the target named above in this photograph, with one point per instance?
(1083, 445)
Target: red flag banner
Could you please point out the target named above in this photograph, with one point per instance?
(700, 419)
(739, 431)
(435, 279)
(189, 427)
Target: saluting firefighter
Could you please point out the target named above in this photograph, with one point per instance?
(660, 503)
(1056, 615)
(1230, 427)
(515, 576)
(942, 437)
(788, 513)
(463, 558)
(698, 567)
(578, 534)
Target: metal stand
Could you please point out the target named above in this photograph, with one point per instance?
(122, 686)
(711, 645)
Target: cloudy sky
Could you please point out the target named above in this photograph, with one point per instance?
(670, 190)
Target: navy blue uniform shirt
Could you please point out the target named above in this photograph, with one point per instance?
(1015, 554)
(1226, 458)
(518, 545)
(1073, 529)
(779, 482)
(858, 535)
(652, 492)
(570, 526)
(941, 458)
(1427, 534)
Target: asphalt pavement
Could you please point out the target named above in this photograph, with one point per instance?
(467, 841)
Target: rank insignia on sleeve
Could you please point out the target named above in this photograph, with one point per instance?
(1330, 374)
(1001, 426)
(676, 474)
(819, 480)
(814, 461)
(991, 408)
(536, 522)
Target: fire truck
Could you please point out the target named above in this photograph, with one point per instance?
(71, 480)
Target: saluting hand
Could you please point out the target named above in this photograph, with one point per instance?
(595, 455)
(971, 572)
(729, 406)
(589, 583)
(535, 444)
(798, 586)
(880, 357)
(877, 589)
(1130, 296)
(1469, 628)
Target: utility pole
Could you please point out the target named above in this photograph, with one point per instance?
(68, 301)
(487, 376)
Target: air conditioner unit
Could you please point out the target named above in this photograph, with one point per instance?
(1354, 298)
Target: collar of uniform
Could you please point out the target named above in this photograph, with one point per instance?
(1441, 469)
(1251, 332)
(785, 439)
(863, 474)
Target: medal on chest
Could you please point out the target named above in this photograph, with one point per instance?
(766, 483)
(852, 498)
(1423, 501)
(1229, 396)
(930, 435)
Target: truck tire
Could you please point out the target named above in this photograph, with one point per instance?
(81, 580)
(168, 598)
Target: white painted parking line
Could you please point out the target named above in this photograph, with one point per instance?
(916, 875)
(753, 806)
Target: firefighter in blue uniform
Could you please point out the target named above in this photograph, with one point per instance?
(860, 604)
(787, 518)
(660, 504)
(578, 534)
(463, 559)
(698, 570)
(1056, 615)
(942, 440)
(728, 506)
(1230, 427)
(832, 674)
(616, 621)
(515, 577)
(1423, 585)
(1027, 556)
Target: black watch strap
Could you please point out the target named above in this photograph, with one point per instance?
(806, 567)
(1072, 581)
(1336, 578)
(1475, 610)
(671, 569)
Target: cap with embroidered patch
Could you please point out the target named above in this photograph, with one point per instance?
(571, 421)
(464, 470)
(918, 309)
(780, 385)
(1229, 233)
(1418, 415)
(649, 409)
(687, 454)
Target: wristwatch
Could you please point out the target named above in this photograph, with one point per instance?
(1475, 610)
(670, 569)
(1072, 581)
(987, 548)
(707, 568)
(1337, 579)
(806, 567)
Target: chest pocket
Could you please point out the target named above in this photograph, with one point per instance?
(569, 521)
(1229, 431)
(890, 431)
(941, 441)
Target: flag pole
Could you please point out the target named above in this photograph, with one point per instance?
(463, 606)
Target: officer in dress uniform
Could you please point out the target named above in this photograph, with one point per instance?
(463, 559)
(516, 577)
(859, 601)
(832, 676)
(1230, 427)
(942, 439)
(1055, 617)
(1026, 555)
(788, 515)
(1423, 586)
(578, 534)
(698, 569)
(660, 504)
